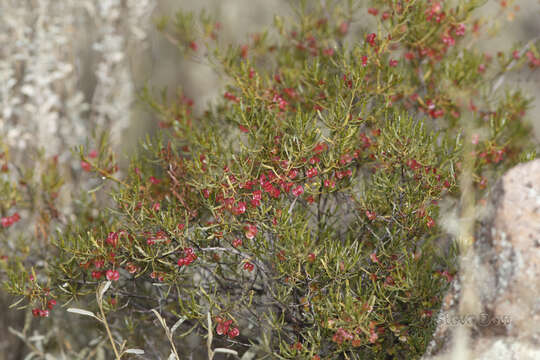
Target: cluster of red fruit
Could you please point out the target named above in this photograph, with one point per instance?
(237, 243)
(111, 275)
(223, 328)
(275, 184)
(342, 335)
(189, 257)
(249, 266)
(435, 12)
(86, 166)
(44, 312)
(160, 237)
(7, 221)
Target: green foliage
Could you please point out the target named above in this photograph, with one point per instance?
(305, 206)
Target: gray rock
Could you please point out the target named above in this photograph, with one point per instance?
(492, 310)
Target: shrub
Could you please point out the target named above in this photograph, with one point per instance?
(299, 217)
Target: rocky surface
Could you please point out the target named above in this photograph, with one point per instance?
(492, 310)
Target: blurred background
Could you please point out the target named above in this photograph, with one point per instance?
(69, 67)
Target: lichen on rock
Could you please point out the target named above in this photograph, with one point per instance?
(504, 265)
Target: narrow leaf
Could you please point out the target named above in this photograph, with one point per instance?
(162, 321)
(82, 312)
(105, 287)
(134, 351)
(177, 324)
(226, 351)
